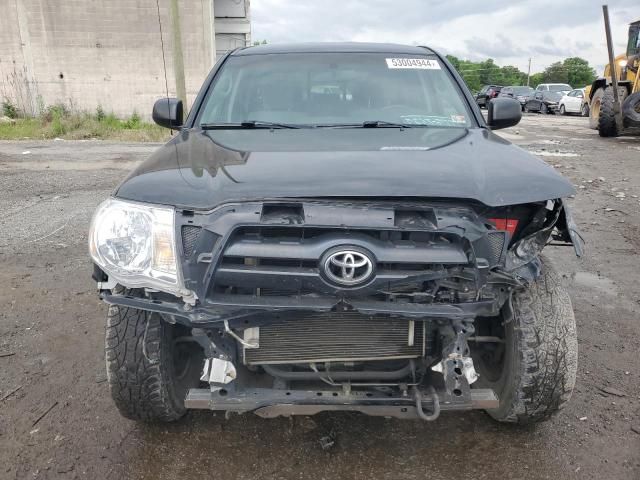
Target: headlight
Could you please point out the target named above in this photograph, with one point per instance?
(135, 244)
(525, 250)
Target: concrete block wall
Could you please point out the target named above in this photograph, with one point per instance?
(86, 53)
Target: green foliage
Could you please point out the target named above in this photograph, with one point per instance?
(58, 110)
(477, 74)
(258, 42)
(59, 121)
(100, 115)
(555, 73)
(579, 72)
(9, 109)
(536, 79)
(58, 128)
(575, 71)
(134, 122)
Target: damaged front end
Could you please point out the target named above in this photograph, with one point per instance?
(301, 306)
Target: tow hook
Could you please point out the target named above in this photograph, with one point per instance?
(417, 394)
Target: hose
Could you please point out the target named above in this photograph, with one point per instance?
(436, 404)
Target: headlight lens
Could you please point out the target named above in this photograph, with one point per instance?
(135, 244)
(525, 250)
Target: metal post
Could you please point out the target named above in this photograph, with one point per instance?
(612, 66)
(178, 61)
(529, 71)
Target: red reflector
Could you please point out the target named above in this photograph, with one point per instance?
(506, 224)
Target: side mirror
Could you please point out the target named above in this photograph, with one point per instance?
(503, 112)
(167, 112)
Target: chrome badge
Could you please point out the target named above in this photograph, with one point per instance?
(348, 268)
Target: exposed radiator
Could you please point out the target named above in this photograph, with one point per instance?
(337, 337)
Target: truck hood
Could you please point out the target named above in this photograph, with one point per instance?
(203, 169)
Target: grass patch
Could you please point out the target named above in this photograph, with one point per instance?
(57, 122)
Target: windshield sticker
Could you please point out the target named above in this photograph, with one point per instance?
(410, 149)
(458, 118)
(420, 63)
(433, 120)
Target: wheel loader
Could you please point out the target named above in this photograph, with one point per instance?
(601, 94)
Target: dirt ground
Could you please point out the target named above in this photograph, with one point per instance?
(57, 419)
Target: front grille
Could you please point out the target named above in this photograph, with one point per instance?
(338, 337)
(286, 261)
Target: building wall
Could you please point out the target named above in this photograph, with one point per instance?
(86, 53)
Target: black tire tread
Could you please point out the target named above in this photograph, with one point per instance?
(596, 98)
(631, 110)
(545, 334)
(607, 126)
(138, 366)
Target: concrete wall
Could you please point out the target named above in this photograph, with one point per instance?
(86, 53)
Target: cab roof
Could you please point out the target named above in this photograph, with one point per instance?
(327, 47)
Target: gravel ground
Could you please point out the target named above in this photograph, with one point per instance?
(57, 419)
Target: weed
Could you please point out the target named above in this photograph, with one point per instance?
(134, 122)
(100, 115)
(61, 121)
(9, 109)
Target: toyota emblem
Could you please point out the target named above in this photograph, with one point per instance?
(348, 268)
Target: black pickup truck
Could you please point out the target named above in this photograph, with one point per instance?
(336, 227)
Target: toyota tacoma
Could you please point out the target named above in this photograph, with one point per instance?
(336, 227)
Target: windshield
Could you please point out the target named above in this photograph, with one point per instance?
(560, 88)
(331, 89)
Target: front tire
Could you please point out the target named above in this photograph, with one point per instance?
(149, 373)
(563, 111)
(544, 109)
(607, 124)
(533, 373)
(594, 108)
(585, 110)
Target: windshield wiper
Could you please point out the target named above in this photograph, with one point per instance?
(246, 124)
(367, 124)
(382, 123)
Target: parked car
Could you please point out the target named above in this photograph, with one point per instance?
(520, 93)
(545, 101)
(554, 87)
(487, 93)
(372, 247)
(574, 102)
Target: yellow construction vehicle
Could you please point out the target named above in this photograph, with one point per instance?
(602, 114)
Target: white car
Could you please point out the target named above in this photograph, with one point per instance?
(573, 102)
(554, 87)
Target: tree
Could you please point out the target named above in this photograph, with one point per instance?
(477, 74)
(555, 73)
(536, 79)
(579, 72)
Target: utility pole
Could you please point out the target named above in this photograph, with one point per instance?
(529, 71)
(178, 61)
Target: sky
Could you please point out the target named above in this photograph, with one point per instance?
(510, 32)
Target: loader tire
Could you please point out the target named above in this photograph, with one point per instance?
(594, 108)
(631, 110)
(607, 125)
(149, 374)
(539, 358)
